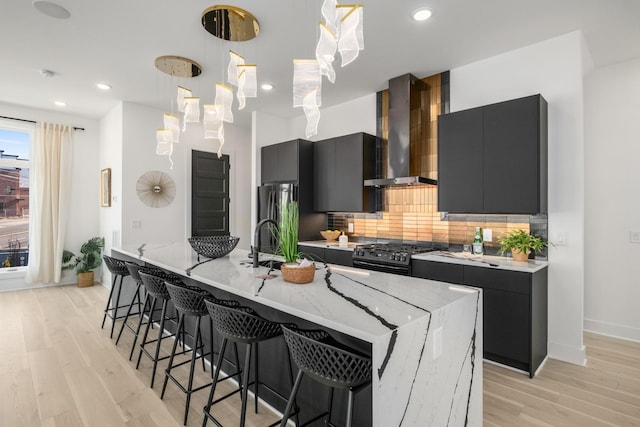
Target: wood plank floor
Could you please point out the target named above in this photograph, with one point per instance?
(58, 368)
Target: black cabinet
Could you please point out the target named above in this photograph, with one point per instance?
(313, 252)
(440, 271)
(341, 165)
(328, 255)
(515, 315)
(282, 162)
(493, 159)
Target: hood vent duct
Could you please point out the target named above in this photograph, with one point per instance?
(408, 120)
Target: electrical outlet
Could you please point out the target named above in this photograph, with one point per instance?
(487, 235)
(136, 223)
(634, 236)
(437, 343)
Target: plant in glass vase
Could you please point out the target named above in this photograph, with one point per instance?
(292, 271)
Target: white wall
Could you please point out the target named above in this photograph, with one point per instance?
(85, 182)
(553, 68)
(612, 150)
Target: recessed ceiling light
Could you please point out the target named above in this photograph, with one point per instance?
(51, 9)
(267, 86)
(421, 14)
(103, 86)
(60, 103)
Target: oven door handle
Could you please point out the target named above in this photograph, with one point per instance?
(374, 265)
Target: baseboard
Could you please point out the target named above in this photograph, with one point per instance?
(612, 330)
(569, 354)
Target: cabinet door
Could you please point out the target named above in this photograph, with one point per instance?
(512, 156)
(324, 175)
(349, 182)
(269, 163)
(313, 252)
(440, 271)
(460, 180)
(288, 161)
(339, 257)
(506, 327)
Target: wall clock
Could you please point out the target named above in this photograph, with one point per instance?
(156, 189)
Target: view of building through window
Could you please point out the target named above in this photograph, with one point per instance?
(14, 196)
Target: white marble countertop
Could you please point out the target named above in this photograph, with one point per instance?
(333, 244)
(356, 302)
(498, 262)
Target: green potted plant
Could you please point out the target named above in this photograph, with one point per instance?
(521, 244)
(292, 271)
(90, 258)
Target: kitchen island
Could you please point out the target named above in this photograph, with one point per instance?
(425, 337)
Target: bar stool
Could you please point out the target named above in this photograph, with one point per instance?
(117, 269)
(325, 360)
(134, 270)
(243, 325)
(155, 286)
(189, 301)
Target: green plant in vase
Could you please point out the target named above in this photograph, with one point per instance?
(521, 244)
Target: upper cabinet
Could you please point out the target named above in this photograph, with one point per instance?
(493, 159)
(283, 162)
(341, 165)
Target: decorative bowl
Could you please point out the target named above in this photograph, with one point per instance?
(330, 235)
(213, 246)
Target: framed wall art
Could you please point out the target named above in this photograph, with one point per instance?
(105, 187)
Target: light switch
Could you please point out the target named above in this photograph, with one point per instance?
(635, 237)
(487, 235)
(136, 223)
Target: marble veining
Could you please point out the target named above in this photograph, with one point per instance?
(424, 335)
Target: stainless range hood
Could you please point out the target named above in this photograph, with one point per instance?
(406, 119)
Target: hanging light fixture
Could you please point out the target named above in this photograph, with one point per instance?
(214, 125)
(311, 112)
(232, 69)
(172, 123)
(182, 94)
(307, 86)
(191, 111)
(224, 97)
(351, 39)
(325, 52)
(247, 83)
(164, 144)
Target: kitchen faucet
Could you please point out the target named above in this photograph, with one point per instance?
(255, 251)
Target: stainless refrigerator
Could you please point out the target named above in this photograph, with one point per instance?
(270, 197)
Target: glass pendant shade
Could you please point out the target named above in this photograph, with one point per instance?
(172, 123)
(306, 79)
(224, 97)
(247, 84)
(164, 144)
(191, 111)
(212, 121)
(182, 94)
(325, 52)
(232, 70)
(351, 40)
(330, 15)
(312, 113)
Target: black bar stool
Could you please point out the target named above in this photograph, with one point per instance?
(327, 361)
(189, 301)
(117, 269)
(242, 325)
(134, 270)
(155, 286)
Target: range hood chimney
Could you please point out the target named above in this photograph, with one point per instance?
(405, 140)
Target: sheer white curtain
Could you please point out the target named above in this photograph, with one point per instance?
(49, 202)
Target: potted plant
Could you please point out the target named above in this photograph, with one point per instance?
(292, 270)
(521, 244)
(90, 258)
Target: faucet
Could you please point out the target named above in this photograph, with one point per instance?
(255, 251)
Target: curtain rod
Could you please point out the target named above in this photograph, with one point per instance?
(31, 121)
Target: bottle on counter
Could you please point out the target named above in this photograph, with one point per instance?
(343, 240)
(478, 243)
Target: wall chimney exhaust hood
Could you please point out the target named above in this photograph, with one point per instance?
(407, 119)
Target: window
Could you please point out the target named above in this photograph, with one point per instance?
(15, 143)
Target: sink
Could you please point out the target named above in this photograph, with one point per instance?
(275, 264)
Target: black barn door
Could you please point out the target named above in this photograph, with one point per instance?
(210, 194)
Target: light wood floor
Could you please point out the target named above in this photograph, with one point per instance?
(58, 368)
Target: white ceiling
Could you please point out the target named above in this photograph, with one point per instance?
(116, 41)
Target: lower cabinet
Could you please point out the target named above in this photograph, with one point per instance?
(328, 255)
(514, 309)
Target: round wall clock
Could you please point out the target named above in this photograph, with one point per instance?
(156, 189)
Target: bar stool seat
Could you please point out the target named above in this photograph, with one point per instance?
(325, 360)
(155, 286)
(117, 269)
(189, 301)
(243, 325)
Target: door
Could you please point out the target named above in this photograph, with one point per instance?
(209, 194)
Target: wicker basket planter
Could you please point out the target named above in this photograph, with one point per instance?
(519, 256)
(299, 275)
(85, 279)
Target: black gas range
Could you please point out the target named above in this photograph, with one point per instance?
(389, 257)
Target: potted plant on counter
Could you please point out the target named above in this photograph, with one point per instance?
(89, 259)
(521, 244)
(292, 270)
